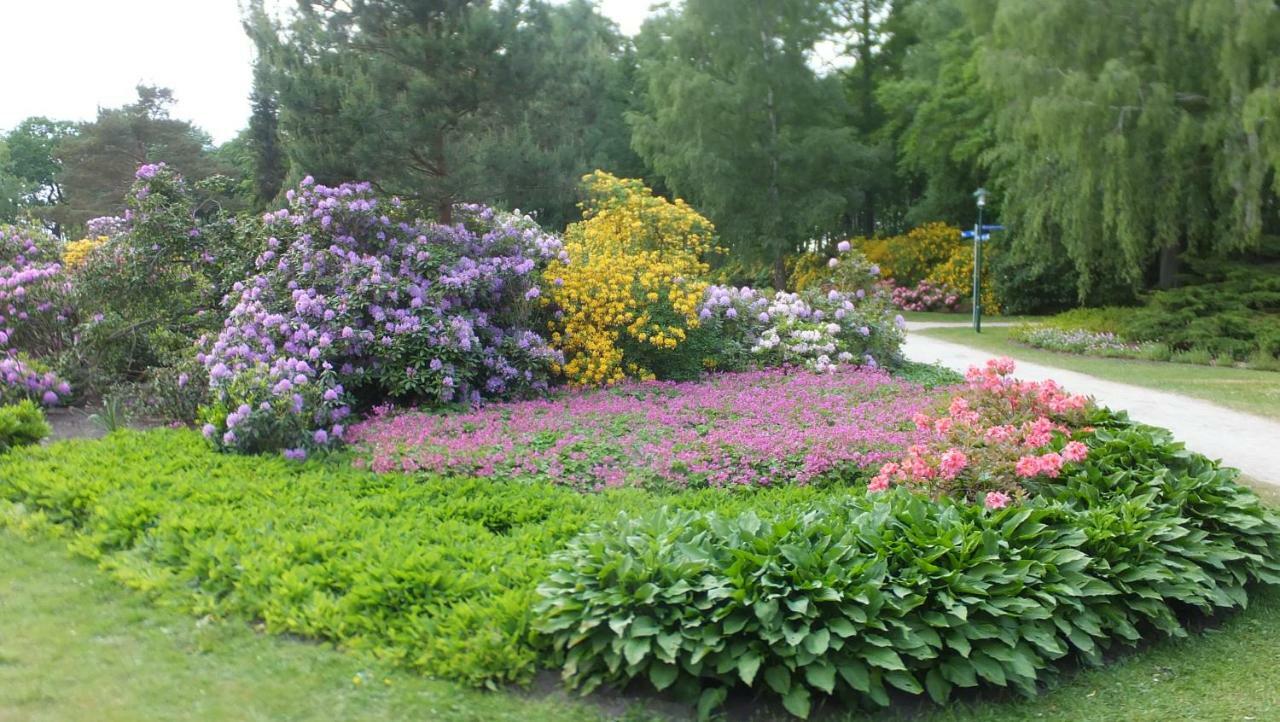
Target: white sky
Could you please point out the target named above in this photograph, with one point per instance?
(66, 58)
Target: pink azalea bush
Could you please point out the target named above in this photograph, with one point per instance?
(993, 434)
(756, 427)
(32, 307)
(925, 296)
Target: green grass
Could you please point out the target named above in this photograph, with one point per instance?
(74, 645)
(1256, 392)
(961, 317)
(1223, 673)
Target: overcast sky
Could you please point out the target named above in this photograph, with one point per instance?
(66, 58)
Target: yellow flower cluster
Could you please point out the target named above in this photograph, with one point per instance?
(808, 270)
(75, 253)
(909, 258)
(633, 277)
(956, 273)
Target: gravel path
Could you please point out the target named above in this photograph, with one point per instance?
(1248, 442)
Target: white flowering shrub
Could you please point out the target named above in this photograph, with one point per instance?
(817, 329)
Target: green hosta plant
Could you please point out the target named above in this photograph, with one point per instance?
(852, 598)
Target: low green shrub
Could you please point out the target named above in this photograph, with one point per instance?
(1108, 319)
(1231, 317)
(434, 573)
(927, 375)
(855, 597)
(1044, 284)
(22, 424)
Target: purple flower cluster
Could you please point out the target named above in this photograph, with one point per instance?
(1076, 340)
(31, 280)
(20, 379)
(752, 428)
(925, 296)
(108, 226)
(353, 293)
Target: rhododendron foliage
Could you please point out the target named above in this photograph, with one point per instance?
(994, 433)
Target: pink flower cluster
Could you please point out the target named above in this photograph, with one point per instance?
(925, 297)
(758, 427)
(992, 433)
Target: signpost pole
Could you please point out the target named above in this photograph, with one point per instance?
(977, 263)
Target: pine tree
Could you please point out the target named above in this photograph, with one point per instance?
(734, 119)
(264, 135)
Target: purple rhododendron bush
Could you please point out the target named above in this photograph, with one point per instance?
(33, 294)
(355, 295)
(749, 428)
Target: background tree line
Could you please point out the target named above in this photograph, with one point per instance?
(1124, 141)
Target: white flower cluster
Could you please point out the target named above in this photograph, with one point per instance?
(815, 330)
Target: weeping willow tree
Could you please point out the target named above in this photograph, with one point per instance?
(1146, 133)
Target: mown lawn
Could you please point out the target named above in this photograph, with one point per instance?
(75, 645)
(1256, 392)
(961, 317)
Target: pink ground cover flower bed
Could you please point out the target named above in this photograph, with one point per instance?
(759, 427)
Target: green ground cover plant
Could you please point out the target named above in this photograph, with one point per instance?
(436, 573)
(1232, 318)
(77, 645)
(822, 590)
(442, 575)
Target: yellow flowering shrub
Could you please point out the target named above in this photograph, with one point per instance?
(630, 280)
(75, 253)
(878, 250)
(909, 258)
(808, 270)
(956, 274)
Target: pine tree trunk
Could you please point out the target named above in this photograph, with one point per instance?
(780, 272)
(1169, 264)
(868, 107)
(775, 194)
(444, 206)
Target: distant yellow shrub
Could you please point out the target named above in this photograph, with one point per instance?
(633, 273)
(878, 250)
(75, 253)
(956, 274)
(808, 270)
(910, 258)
